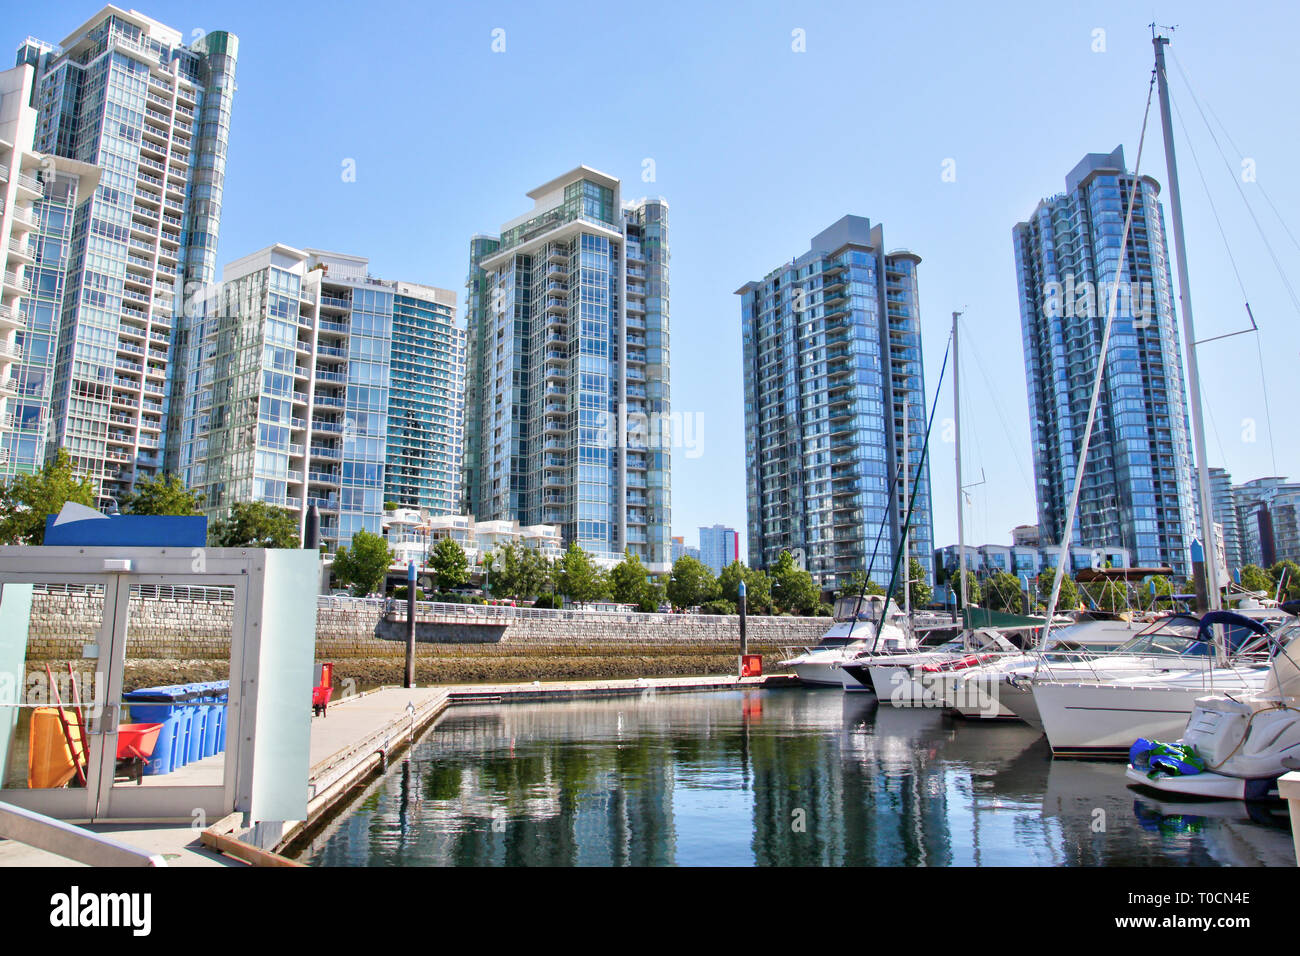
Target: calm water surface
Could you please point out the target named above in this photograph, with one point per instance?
(781, 777)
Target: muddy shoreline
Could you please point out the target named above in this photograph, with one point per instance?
(468, 665)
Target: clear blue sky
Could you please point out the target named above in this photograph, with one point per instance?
(756, 148)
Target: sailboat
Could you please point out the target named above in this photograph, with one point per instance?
(1105, 716)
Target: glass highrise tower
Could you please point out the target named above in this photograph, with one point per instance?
(832, 366)
(426, 405)
(125, 93)
(39, 195)
(1138, 490)
(292, 403)
(568, 406)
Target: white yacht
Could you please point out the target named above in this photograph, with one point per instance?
(1246, 742)
(903, 679)
(1149, 686)
(852, 633)
(983, 690)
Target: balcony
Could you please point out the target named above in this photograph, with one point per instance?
(16, 285)
(29, 184)
(21, 250)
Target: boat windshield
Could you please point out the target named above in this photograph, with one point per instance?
(866, 608)
(839, 641)
(1170, 642)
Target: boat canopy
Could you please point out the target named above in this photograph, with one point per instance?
(1237, 628)
(977, 617)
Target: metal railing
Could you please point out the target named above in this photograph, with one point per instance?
(70, 841)
(166, 592)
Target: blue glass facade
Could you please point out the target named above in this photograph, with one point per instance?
(831, 358)
(426, 404)
(314, 381)
(129, 96)
(1137, 492)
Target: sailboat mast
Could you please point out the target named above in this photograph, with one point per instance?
(956, 416)
(907, 551)
(1208, 543)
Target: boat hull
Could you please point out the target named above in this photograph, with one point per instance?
(1103, 720)
(1207, 785)
(856, 679)
(895, 685)
(818, 673)
(1018, 698)
(976, 696)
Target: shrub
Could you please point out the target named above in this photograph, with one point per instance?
(718, 606)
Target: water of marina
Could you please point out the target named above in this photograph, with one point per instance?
(778, 777)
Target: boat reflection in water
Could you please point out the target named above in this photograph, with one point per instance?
(780, 777)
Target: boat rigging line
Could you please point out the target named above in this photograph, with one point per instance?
(1064, 556)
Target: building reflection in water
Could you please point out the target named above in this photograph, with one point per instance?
(792, 777)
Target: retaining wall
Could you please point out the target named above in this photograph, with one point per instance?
(166, 628)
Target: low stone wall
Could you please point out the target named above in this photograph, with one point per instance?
(164, 628)
(157, 628)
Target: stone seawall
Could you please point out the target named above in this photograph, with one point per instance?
(168, 637)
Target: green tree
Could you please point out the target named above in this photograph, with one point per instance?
(1107, 595)
(1255, 578)
(691, 583)
(449, 564)
(1067, 600)
(255, 524)
(858, 584)
(656, 593)
(365, 566)
(518, 572)
(1001, 592)
(1287, 574)
(27, 499)
(922, 593)
(792, 589)
(1162, 586)
(973, 593)
(536, 574)
(628, 581)
(163, 495)
(758, 587)
(578, 578)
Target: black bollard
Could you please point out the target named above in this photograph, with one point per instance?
(311, 533)
(410, 625)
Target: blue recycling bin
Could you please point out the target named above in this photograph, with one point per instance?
(221, 700)
(215, 695)
(173, 707)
